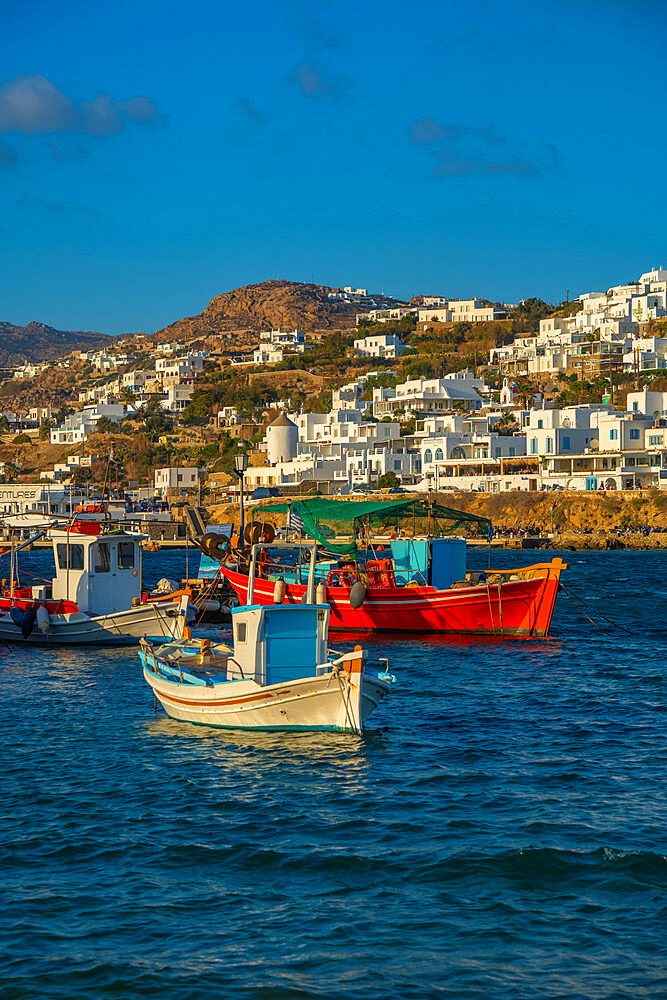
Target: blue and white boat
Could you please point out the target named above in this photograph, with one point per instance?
(278, 675)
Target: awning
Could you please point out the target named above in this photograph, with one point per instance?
(323, 518)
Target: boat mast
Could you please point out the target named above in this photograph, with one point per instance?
(11, 569)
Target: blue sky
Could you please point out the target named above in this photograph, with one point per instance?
(153, 155)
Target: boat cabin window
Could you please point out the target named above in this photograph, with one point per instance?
(241, 632)
(126, 555)
(102, 557)
(75, 556)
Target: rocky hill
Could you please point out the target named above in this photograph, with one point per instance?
(39, 342)
(267, 305)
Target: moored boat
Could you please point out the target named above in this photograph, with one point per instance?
(279, 674)
(95, 597)
(417, 584)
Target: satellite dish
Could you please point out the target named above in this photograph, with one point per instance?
(567, 422)
(595, 444)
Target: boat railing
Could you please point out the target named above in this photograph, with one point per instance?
(529, 572)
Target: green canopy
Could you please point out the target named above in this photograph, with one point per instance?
(318, 512)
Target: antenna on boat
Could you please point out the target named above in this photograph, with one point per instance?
(106, 489)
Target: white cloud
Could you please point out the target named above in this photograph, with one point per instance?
(32, 105)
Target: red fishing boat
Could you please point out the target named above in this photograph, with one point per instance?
(418, 584)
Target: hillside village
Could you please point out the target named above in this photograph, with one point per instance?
(342, 390)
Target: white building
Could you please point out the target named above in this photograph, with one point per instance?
(462, 311)
(282, 437)
(564, 432)
(423, 397)
(32, 498)
(293, 340)
(387, 315)
(385, 345)
(608, 329)
(651, 404)
(78, 425)
(176, 478)
(357, 296)
(37, 414)
(268, 354)
(133, 381)
(187, 367)
(177, 397)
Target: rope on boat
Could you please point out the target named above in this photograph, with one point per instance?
(345, 695)
(580, 601)
(488, 595)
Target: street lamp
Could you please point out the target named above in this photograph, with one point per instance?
(241, 463)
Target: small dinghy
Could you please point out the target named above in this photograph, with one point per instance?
(279, 674)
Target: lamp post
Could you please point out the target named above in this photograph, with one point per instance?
(241, 463)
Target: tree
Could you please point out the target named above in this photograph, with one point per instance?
(527, 315)
(63, 412)
(389, 481)
(45, 430)
(155, 419)
(105, 426)
(21, 439)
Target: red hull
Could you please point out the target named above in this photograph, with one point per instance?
(23, 599)
(510, 607)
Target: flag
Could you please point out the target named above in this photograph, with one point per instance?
(294, 522)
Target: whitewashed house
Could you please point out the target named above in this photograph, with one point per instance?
(385, 345)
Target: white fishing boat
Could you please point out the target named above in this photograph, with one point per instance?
(95, 597)
(279, 674)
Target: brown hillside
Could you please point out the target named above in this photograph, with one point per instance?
(267, 305)
(39, 342)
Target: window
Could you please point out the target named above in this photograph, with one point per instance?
(126, 555)
(512, 453)
(533, 446)
(635, 406)
(550, 445)
(102, 557)
(241, 632)
(540, 424)
(438, 455)
(634, 433)
(428, 455)
(655, 439)
(613, 434)
(75, 556)
(566, 443)
(497, 452)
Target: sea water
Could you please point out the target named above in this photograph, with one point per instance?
(500, 830)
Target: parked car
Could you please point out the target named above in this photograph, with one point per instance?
(265, 493)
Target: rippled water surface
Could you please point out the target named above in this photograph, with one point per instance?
(499, 832)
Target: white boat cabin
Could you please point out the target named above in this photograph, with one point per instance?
(101, 573)
(279, 643)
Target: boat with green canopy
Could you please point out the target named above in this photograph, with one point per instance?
(398, 566)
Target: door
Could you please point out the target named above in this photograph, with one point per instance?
(103, 569)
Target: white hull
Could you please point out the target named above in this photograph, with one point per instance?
(155, 621)
(332, 701)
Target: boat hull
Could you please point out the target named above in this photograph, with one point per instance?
(157, 622)
(517, 603)
(330, 701)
